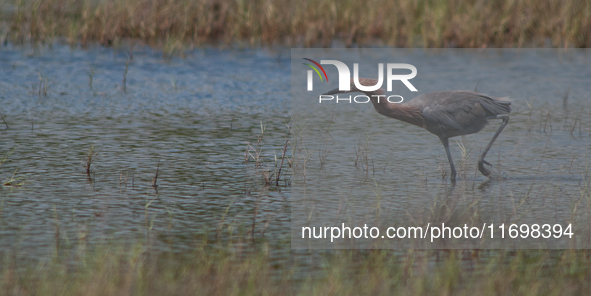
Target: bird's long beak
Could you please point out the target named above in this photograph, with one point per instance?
(332, 92)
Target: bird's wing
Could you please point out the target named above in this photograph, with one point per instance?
(460, 109)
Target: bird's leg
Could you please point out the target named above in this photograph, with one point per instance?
(481, 160)
(451, 162)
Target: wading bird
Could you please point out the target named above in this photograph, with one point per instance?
(445, 114)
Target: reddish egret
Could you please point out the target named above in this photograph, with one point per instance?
(445, 114)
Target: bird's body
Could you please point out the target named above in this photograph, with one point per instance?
(445, 114)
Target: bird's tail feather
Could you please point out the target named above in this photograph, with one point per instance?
(497, 106)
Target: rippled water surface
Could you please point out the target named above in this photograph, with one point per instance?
(189, 120)
(368, 169)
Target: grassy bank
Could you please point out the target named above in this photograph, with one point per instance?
(232, 268)
(175, 25)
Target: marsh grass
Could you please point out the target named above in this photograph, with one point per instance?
(301, 153)
(13, 180)
(124, 82)
(155, 178)
(4, 121)
(284, 151)
(41, 88)
(325, 148)
(255, 151)
(464, 164)
(177, 25)
(91, 71)
(238, 267)
(363, 157)
(90, 159)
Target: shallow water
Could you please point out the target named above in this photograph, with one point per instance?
(360, 168)
(190, 119)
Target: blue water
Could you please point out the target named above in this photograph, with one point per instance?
(192, 119)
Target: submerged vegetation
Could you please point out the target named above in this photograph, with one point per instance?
(175, 25)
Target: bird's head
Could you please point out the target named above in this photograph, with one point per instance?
(353, 87)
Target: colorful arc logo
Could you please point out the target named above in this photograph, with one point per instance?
(316, 69)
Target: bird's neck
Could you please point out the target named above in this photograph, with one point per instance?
(400, 111)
